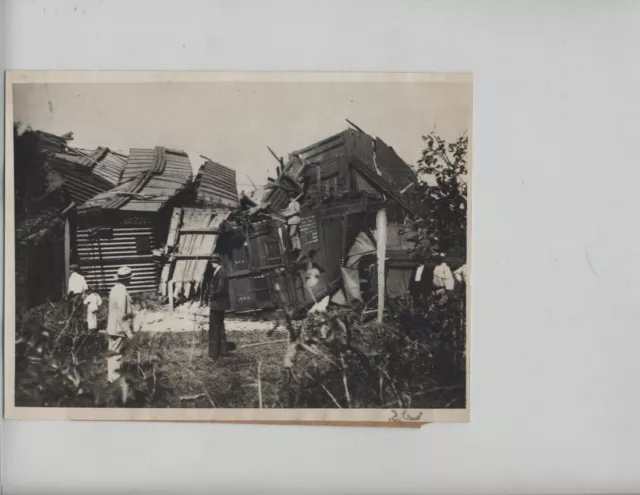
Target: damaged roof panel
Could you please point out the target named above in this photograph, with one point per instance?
(217, 184)
(392, 167)
(102, 162)
(140, 161)
(52, 143)
(160, 175)
(111, 166)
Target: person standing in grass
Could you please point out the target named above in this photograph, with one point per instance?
(119, 328)
(443, 280)
(77, 287)
(93, 302)
(219, 303)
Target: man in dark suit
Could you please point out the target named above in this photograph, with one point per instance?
(218, 305)
(421, 283)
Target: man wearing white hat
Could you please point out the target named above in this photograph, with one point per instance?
(119, 327)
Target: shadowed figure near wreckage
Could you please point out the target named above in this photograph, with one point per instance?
(219, 303)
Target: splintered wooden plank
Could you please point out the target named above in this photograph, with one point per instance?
(174, 226)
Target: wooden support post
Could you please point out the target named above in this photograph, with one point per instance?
(381, 227)
(170, 289)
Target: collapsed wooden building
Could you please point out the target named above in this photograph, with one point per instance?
(124, 225)
(147, 211)
(341, 183)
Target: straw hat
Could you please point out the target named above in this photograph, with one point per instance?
(124, 272)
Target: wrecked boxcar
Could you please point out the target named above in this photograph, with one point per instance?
(341, 183)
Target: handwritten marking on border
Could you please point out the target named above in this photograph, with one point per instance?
(398, 417)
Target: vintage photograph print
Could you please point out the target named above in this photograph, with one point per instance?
(249, 247)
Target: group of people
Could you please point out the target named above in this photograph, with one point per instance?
(442, 281)
(120, 321)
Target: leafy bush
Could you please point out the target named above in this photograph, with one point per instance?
(414, 359)
(59, 362)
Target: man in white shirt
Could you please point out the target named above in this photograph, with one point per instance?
(93, 302)
(292, 215)
(421, 283)
(442, 277)
(461, 274)
(77, 283)
(76, 290)
(119, 328)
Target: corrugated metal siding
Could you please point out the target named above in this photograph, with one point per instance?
(100, 259)
(217, 184)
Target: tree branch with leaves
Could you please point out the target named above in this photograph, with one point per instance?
(441, 195)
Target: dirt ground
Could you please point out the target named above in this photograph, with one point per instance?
(189, 318)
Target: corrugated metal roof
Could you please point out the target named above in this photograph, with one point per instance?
(103, 162)
(111, 166)
(217, 184)
(78, 180)
(151, 178)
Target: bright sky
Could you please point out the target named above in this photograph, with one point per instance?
(233, 123)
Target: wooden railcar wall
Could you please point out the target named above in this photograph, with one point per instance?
(257, 269)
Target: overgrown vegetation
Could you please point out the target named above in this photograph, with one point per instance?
(59, 362)
(411, 360)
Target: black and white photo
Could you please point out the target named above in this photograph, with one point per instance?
(238, 246)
